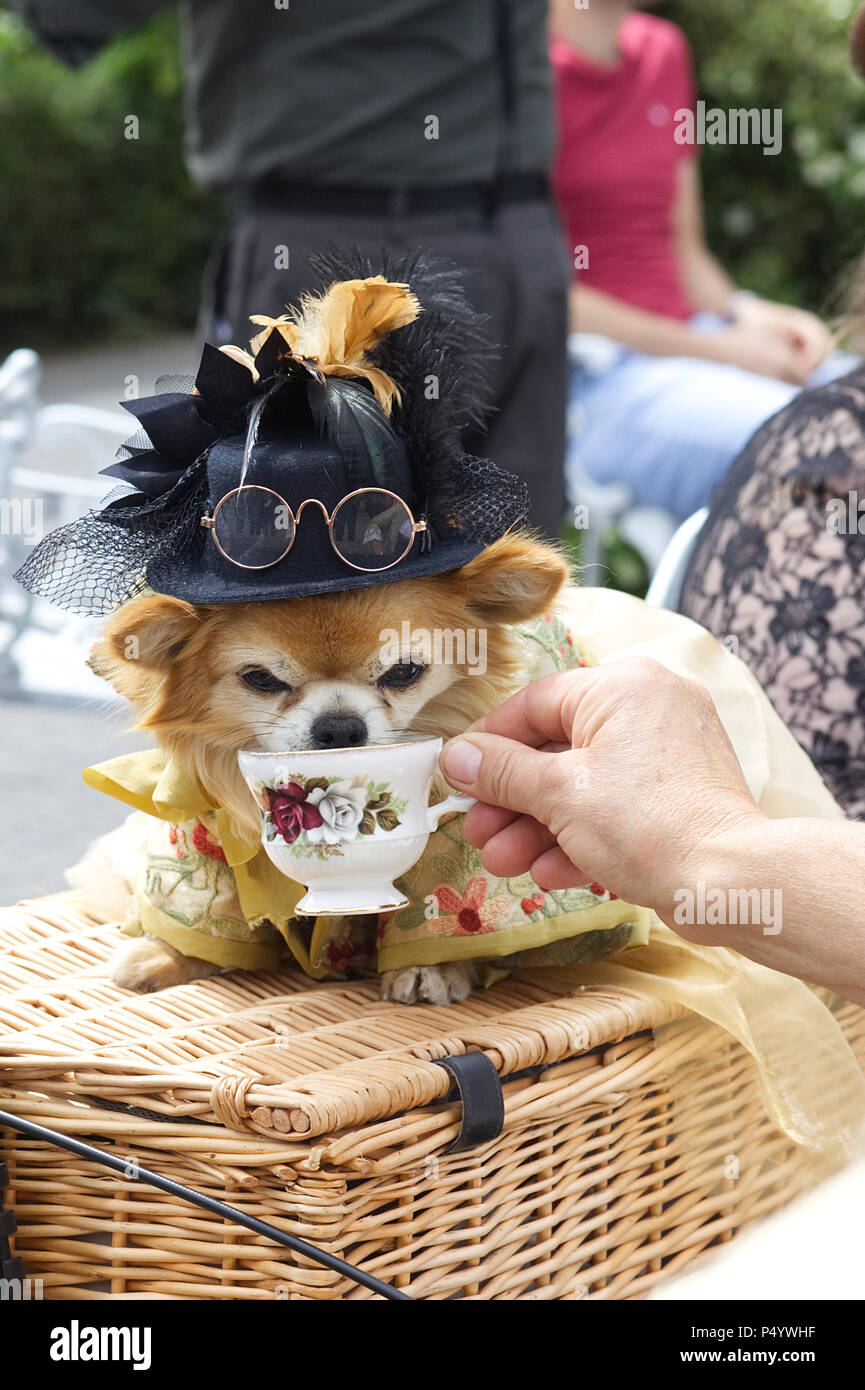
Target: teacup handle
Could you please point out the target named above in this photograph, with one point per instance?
(450, 803)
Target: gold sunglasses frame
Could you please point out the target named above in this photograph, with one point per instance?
(417, 527)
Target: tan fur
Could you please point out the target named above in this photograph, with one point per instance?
(179, 664)
(148, 965)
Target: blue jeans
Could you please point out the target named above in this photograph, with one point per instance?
(668, 427)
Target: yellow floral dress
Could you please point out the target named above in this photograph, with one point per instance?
(214, 895)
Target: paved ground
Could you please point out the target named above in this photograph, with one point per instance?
(47, 815)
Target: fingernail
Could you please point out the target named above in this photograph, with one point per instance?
(462, 762)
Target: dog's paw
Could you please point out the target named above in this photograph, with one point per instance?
(146, 965)
(430, 984)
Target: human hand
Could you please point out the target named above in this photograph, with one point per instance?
(621, 773)
(755, 349)
(804, 333)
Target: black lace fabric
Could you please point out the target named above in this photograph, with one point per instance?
(773, 580)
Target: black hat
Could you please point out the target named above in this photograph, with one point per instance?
(360, 396)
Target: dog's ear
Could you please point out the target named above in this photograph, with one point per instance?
(514, 579)
(141, 642)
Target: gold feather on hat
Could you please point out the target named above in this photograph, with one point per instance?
(333, 332)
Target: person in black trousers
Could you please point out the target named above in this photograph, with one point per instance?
(380, 124)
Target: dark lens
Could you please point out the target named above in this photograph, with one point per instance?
(372, 530)
(253, 527)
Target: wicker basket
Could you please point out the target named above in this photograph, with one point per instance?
(319, 1109)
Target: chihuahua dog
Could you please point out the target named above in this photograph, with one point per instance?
(314, 672)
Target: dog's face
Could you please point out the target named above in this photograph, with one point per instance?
(337, 670)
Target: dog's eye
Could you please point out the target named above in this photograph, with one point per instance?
(264, 681)
(405, 673)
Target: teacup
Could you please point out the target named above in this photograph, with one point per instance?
(346, 822)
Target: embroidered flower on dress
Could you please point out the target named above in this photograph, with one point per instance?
(469, 915)
(340, 954)
(177, 837)
(205, 845)
(601, 892)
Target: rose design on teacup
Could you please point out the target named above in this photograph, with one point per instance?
(290, 811)
(341, 807)
(317, 815)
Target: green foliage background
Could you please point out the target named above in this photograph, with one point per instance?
(101, 235)
(789, 225)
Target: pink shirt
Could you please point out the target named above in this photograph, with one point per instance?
(615, 171)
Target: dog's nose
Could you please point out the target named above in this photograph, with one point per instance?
(338, 731)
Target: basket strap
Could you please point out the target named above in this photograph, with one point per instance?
(480, 1091)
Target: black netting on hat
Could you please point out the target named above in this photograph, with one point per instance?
(94, 564)
(476, 500)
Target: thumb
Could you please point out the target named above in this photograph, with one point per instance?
(501, 772)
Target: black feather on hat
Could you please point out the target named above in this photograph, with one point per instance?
(369, 383)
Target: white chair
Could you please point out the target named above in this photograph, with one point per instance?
(665, 589)
(42, 650)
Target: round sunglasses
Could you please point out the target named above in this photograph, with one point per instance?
(371, 529)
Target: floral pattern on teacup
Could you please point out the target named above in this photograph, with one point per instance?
(341, 807)
(317, 815)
